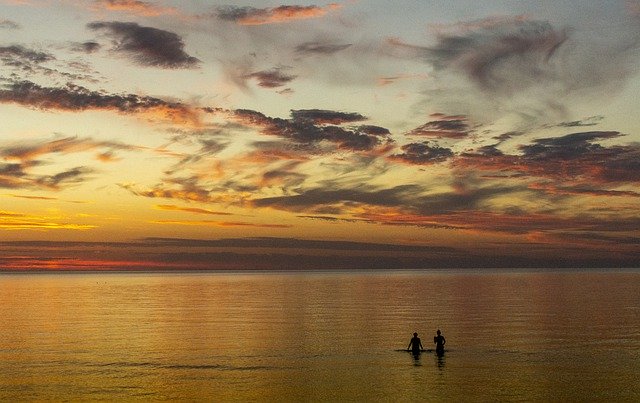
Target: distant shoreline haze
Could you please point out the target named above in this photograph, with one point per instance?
(285, 254)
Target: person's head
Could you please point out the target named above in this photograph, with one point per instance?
(415, 335)
(438, 332)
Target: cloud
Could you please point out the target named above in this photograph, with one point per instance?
(19, 56)
(20, 174)
(271, 78)
(18, 221)
(590, 121)
(259, 16)
(285, 176)
(29, 152)
(500, 55)
(137, 7)
(147, 46)
(66, 178)
(86, 47)
(422, 154)
(78, 98)
(293, 254)
(187, 189)
(310, 200)
(534, 70)
(320, 48)
(452, 127)
(8, 24)
(575, 159)
(194, 210)
(208, 223)
(29, 62)
(314, 126)
(321, 116)
(291, 243)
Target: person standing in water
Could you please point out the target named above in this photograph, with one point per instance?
(440, 342)
(415, 345)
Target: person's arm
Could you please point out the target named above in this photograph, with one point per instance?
(421, 348)
(410, 343)
(444, 341)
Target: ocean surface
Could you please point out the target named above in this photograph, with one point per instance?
(313, 336)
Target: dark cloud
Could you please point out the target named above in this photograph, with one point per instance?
(374, 130)
(502, 55)
(309, 200)
(289, 243)
(319, 48)
(8, 24)
(16, 176)
(575, 159)
(508, 136)
(590, 121)
(568, 147)
(77, 98)
(453, 127)
(422, 154)
(312, 127)
(28, 62)
(322, 116)
(19, 56)
(147, 46)
(86, 47)
(69, 177)
(271, 78)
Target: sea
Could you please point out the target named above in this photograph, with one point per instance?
(533, 335)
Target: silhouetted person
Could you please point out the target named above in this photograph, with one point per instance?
(440, 342)
(415, 345)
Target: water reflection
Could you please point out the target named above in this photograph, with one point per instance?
(440, 360)
(313, 337)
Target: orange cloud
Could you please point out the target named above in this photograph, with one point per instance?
(18, 221)
(136, 7)
(169, 207)
(220, 224)
(253, 16)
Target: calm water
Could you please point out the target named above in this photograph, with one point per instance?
(320, 336)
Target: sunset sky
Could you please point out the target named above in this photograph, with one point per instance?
(361, 133)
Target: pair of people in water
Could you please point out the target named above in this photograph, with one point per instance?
(415, 345)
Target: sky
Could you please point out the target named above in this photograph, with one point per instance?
(356, 134)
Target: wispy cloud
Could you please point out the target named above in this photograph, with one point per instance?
(320, 48)
(194, 210)
(137, 7)
(147, 46)
(86, 47)
(18, 221)
(209, 223)
(8, 24)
